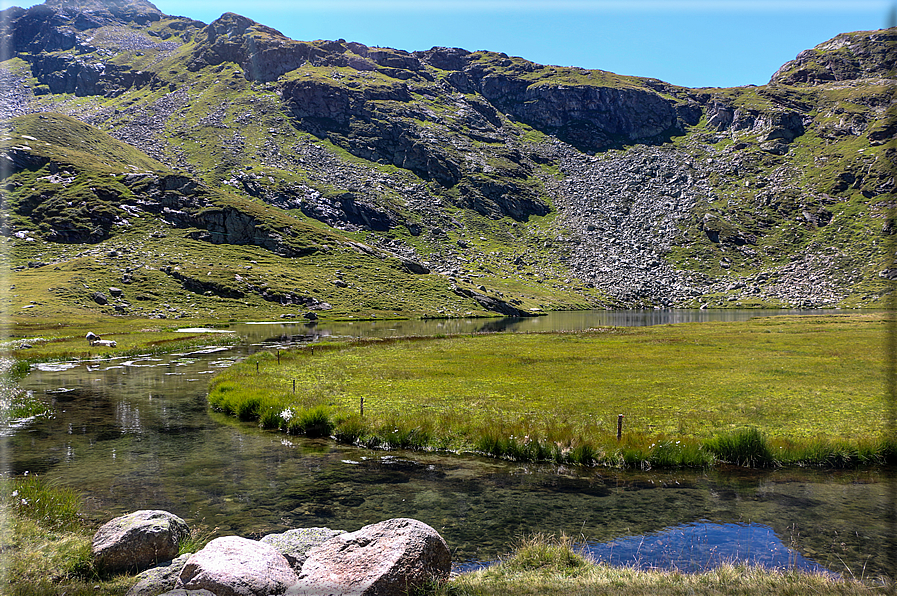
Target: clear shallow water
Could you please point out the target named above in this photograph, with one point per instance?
(137, 433)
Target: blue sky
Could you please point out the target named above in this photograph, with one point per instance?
(696, 43)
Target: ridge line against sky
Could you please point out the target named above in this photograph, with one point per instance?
(694, 43)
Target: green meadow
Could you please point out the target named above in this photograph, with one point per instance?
(770, 391)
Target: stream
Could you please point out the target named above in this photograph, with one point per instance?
(137, 433)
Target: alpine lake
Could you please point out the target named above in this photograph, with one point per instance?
(137, 433)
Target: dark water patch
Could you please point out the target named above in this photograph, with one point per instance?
(105, 433)
(634, 485)
(182, 429)
(576, 486)
(34, 465)
(788, 500)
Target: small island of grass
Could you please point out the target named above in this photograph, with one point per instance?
(770, 391)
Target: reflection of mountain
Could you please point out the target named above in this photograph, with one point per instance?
(700, 545)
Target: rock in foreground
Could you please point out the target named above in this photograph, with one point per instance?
(234, 566)
(391, 558)
(138, 540)
(158, 579)
(295, 544)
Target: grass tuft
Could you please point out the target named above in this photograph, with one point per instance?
(544, 552)
(313, 422)
(200, 535)
(55, 507)
(746, 447)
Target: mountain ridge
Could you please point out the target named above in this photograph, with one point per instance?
(561, 187)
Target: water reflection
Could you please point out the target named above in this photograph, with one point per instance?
(701, 545)
(261, 332)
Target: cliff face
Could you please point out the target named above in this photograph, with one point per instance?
(638, 191)
(846, 57)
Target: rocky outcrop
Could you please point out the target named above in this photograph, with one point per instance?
(228, 225)
(780, 124)
(17, 159)
(92, 13)
(346, 212)
(183, 202)
(202, 286)
(445, 58)
(363, 122)
(38, 34)
(38, 29)
(590, 118)
(491, 303)
(392, 558)
(138, 540)
(845, 57)
(263, 53)
(233, 566)
(70, 74)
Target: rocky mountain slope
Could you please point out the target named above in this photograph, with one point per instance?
(446, 181)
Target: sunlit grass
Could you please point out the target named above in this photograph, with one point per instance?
(793, 390)
(45, 542)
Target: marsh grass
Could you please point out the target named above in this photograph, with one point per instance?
(200, 535)
(546, 553)
(743, 447)
(776, 391)
(29, 496)
(69, 343)
(46, 543)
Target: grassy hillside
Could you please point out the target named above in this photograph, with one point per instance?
(538, 186)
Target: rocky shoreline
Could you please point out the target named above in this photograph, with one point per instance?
(395, 557)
